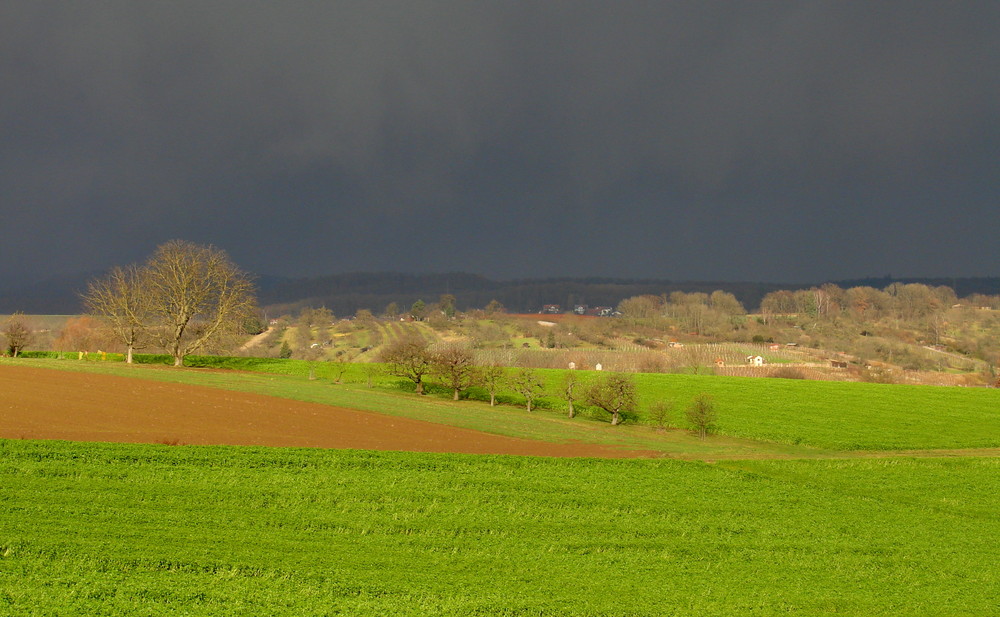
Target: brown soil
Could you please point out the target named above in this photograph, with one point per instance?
(50, 404)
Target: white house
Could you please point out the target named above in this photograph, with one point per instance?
(755, 361)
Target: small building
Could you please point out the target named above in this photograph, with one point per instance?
(755, 360)
(551, 309)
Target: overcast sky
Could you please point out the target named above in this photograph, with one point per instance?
(761, 141)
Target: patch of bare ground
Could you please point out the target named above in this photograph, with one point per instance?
(52, 404)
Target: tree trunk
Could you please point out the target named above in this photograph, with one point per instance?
(420, 387)
(128, 355)
(572, 412)
(178, 360)
(455, 396)
(615, 418)
(493, 399)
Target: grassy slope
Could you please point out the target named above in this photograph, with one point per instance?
(107, 529)
(791, 417)
(841, 415)
(111, 529)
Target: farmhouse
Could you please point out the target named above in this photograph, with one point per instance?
(755, 360)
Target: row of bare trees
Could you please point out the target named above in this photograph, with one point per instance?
(184, 298)
(616, 393)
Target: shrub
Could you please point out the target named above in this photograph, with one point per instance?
(661, 413)
(787, 372)
(702, 415)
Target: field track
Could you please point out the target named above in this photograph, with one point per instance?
(51, 404)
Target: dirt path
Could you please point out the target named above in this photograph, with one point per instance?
(256, 339)
(50, 404)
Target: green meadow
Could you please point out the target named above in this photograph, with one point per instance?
(806, 503)
(108, 529)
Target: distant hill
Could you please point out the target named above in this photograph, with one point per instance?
(344, 294)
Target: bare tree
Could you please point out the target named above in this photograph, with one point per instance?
(341, 362)
(570, 383)
(453, 365)
(123, 302)
(410, 358)
(371, 371)
(494, 307)
(18, 334)
(661, 413)
(303, 333)
(491, 377)
(196, 295)
(305, 348)
(614, 393)
(702, 415)
(526, 383)
(83, 333)
(313, 355)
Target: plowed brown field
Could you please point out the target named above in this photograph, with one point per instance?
(54, 404)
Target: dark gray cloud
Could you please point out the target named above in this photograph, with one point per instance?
(723, 140)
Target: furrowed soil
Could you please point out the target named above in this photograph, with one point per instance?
(49, 404)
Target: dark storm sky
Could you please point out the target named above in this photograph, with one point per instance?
(777, 141)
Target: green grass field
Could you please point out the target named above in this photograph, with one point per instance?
(107, 529)
(792, 416)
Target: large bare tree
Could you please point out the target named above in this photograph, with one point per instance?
(18, 334)
(410, 358)
(196, 295)
(123, 302)
(454, 365)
